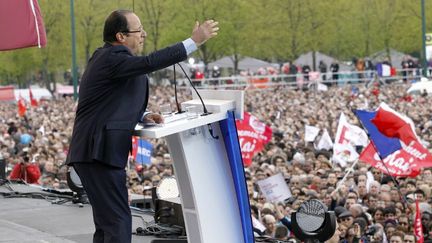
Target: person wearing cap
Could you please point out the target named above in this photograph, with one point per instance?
(345, 218)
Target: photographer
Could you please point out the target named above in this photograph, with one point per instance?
(26, 171)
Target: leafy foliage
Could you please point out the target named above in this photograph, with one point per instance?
(274, 30)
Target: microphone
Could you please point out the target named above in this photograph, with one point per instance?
(179, 109)
(210, 129)
(196, 91)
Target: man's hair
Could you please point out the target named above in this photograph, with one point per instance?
(281, 232)
(420, 191)
(411, 234)
(114, 23)
(398, 233)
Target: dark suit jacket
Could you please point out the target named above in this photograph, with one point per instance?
(112, 99)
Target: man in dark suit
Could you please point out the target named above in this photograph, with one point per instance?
(113, 97)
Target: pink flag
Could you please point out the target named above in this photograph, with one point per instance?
(21, 24)
(253, 135)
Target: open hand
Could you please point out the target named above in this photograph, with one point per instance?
(202, 32)
(153, 118)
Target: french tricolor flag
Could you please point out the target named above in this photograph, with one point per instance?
(395, 148)
(394, 125)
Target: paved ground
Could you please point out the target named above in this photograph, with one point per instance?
(25, 220)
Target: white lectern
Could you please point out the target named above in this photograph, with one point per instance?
(209, 170)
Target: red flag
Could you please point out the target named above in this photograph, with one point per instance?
(399, 163)
(418, 230)
(33, 101)
(253, 135)
(22, 21)
(21, 106)
(134, 147)
(392, 124)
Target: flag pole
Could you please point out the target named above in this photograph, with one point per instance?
(382, 161)
(346, 175)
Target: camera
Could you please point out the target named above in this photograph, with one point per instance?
(371, 230)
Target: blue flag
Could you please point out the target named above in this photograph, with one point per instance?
(144, 150)
(383, 144)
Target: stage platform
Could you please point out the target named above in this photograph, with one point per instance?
(38, 220)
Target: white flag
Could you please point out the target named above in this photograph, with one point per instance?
(321, 87)
(325, 142)
(42, 130)
(346, 138)
(358, 136)
(310, 133)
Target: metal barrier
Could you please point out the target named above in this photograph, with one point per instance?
(300, 80)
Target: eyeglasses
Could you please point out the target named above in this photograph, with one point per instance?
(133, 31)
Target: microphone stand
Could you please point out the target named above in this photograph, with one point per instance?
(210, 129)
(179, 109)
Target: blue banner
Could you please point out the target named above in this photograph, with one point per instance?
(144, 150)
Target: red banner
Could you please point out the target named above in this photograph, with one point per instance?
(7, 93)
(253, 135)
(418, 230)
(404, 162)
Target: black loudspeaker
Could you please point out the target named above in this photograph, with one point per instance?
(2, 167)
(169, 211)
(324, 233)
(144, 202)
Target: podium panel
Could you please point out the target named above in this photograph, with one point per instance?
(205, 183)
(210, 176)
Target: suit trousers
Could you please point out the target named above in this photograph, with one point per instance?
(107, 193)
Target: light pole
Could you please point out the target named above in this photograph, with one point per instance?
(74, 65)
(424, 65)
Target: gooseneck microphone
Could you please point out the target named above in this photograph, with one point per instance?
(210, 129)
(179, 109)
(196, 91)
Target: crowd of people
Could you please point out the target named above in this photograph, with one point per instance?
(369, 205)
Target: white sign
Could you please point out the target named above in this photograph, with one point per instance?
(274, 188)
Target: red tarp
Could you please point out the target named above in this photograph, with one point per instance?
(7, 93)
(21, 24)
